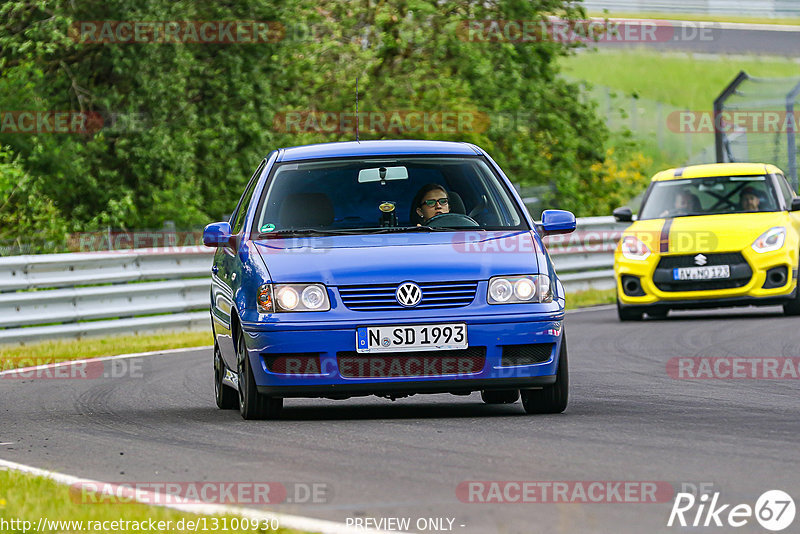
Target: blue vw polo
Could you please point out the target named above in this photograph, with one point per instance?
(385, 268)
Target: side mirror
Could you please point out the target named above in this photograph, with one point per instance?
(217, 234)
(795, 204)
(623, 215)
(557, 222)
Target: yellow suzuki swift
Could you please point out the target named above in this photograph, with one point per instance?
(707, 236)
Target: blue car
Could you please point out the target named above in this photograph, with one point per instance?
(385, 268)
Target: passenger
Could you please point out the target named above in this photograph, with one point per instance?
(685, 203)
(749, 199)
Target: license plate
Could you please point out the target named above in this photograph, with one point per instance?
(702, 273)
(449, 336)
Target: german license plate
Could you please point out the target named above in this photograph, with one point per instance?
(448, 336)
(709, 272)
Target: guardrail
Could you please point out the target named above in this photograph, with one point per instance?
(763, 8)
(52, 296)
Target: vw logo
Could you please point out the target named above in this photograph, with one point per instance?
(700, 260)
(408, 294)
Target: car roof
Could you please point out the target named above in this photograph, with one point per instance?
(717, 169)
(377, 148)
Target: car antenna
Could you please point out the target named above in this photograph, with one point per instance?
(357, 141)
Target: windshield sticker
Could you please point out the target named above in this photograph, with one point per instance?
(266, 228)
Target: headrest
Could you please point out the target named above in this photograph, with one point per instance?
(306, 210)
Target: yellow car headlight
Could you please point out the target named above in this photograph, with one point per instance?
(633, 248)
(770, 240)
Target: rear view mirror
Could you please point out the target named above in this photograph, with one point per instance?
(217, 234)
(557, 222)
(623, 215)
(381, 174)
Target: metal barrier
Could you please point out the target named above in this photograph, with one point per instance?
(52, 296)
(763, 8)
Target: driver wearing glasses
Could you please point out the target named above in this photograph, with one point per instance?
(433, 201)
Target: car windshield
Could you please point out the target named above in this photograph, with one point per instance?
(388, 194)
(708, 196)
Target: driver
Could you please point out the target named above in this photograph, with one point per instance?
(433, 201)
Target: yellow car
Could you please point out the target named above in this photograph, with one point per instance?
(707, 236)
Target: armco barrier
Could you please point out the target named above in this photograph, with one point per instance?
(762, 8)
(51, 296)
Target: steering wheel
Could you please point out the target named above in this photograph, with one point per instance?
(450, 220)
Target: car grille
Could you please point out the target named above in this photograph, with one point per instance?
(419, 363)
(526, 354)
(725, 258)
(741, 273)
(435, 295)
(300, 363)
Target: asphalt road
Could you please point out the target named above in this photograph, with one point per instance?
(707, 38)
(627, 421)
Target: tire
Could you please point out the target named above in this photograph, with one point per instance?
(503, 396)
(253, 405)
(792, 308)
(627, 314)
(552, 398)
(226, 397)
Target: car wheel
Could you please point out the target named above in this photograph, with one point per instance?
(225, 396)
(552, 398)
(792, 307)
(504, 396)
(253, 405)
(627, 314)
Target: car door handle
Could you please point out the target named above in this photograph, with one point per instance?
(214, 269)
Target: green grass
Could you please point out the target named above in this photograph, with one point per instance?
(63, 350)
(28, 498)
(684, 81)
(699, 17)
(590, 297)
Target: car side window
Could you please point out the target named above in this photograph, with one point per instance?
(244, 202)
(786, 191)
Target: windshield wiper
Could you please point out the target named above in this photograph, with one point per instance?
(308, 232)
(359, 231)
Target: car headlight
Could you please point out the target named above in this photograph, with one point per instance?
(770, 240)
(519, 289)
(292, 298)
(633, 248)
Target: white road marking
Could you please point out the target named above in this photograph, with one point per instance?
(605, 307)
(197, 507)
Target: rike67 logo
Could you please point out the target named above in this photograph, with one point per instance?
(774, 510)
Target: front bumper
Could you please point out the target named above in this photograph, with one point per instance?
(333, 340)
(750, 293)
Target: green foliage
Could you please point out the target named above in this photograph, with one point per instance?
(186, 124)
(28, 215)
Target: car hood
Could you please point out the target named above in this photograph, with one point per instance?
(392, 258)
(705, 233)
